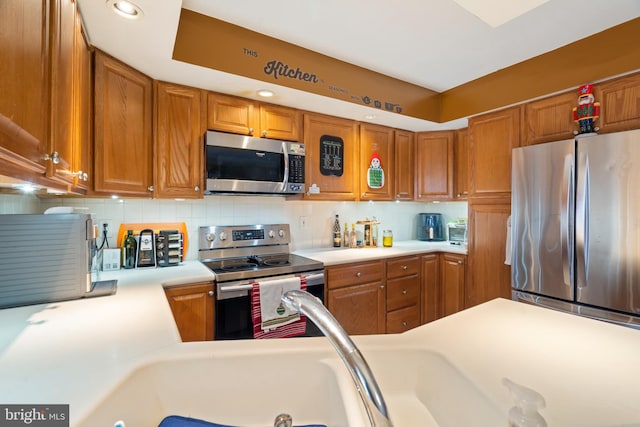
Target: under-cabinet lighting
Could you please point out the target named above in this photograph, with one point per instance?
(125, 8)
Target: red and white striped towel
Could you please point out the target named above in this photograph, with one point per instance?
(297, 327)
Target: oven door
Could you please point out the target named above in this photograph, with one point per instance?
(233, 306)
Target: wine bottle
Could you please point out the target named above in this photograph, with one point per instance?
(346, 240)
(130, 246)
(337, 233)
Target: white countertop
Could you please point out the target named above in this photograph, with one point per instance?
(75, 352)
(335, 256)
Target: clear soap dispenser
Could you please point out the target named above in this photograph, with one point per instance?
(527, 402)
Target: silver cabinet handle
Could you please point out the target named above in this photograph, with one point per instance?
(53, 157)
(358, 274)
(196, 188)
(151, 188)
(404, 323)
(459, 261)
(210, 293)
(250, 131)
(404, 292)
(264, 133)
(404, 267)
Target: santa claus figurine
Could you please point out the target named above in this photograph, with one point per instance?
(587, 110)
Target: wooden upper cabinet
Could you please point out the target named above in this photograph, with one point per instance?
(434, 165)
(83, 115)
(549, 119)
(461, 164)
(619, 104)
(377, 162)
(24, 86)
(247, 117)
(61, 140)
(231, 114)
(179, 134)
(331, 147)
(404, 183)
(280, 122)
(492, 136)
(123, 129)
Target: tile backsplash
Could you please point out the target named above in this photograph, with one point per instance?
(237, 210)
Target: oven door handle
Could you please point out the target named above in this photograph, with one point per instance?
(312, 280)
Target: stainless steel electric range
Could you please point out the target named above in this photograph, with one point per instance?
(241, 255)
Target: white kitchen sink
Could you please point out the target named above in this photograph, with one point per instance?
(421, 388)
(239, 390)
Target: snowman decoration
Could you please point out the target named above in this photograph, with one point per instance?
(587, 110)
(375, 173)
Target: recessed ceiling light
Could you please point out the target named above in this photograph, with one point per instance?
(265, 93)
(125, 8)
(370, 116)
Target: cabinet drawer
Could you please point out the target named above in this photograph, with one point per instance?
(354, 274)
(402, 292)
(403, 319)
(403, 267)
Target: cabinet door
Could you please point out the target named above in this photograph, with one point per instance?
(123, 129)
(24, 100)
(403, 292)
(434, 169)
(83, 119)
(360, 309)
(461, 165)
(192, 307)
(402, 320)
(488, 276)
(377, 163)
(331, 157)
(231, 114)
(620, 101)
(61, 139)
(404, 183)
(430, 282)
(280, 122)
(179, 141)
(549, 119)
(452, 282)
(491, 138)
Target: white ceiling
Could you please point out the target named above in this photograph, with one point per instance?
(435, 44)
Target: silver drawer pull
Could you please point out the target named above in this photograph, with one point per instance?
(404, 267)
(404, 292)
(358, 274)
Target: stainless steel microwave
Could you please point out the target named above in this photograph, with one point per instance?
(245, 164)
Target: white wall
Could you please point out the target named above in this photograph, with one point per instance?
(238, 210)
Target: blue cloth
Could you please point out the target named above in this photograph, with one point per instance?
(177, 421)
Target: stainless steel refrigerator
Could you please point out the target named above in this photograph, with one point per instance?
(575, 226)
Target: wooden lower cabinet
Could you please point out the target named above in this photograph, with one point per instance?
(403, 294)
(442, 284)
(192, 307)
(430, 287)
(356, 296)
(453, 269)
(489, 277)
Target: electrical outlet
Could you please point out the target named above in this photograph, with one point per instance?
(111, 232)
(302, 222)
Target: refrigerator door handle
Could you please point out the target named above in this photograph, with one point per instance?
(567, 219)
(582, 222)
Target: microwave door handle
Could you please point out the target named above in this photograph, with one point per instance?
(285, 178)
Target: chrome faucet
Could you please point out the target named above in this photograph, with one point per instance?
(366, 384)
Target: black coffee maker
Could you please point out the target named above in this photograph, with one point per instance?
(430, 227)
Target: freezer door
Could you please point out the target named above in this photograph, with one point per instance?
(608, 221)
(542, 201)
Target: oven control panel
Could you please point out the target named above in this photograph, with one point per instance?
(240, 236)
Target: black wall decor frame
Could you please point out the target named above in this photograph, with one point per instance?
(331, 155)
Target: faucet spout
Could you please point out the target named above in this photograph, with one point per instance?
(366, 384)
